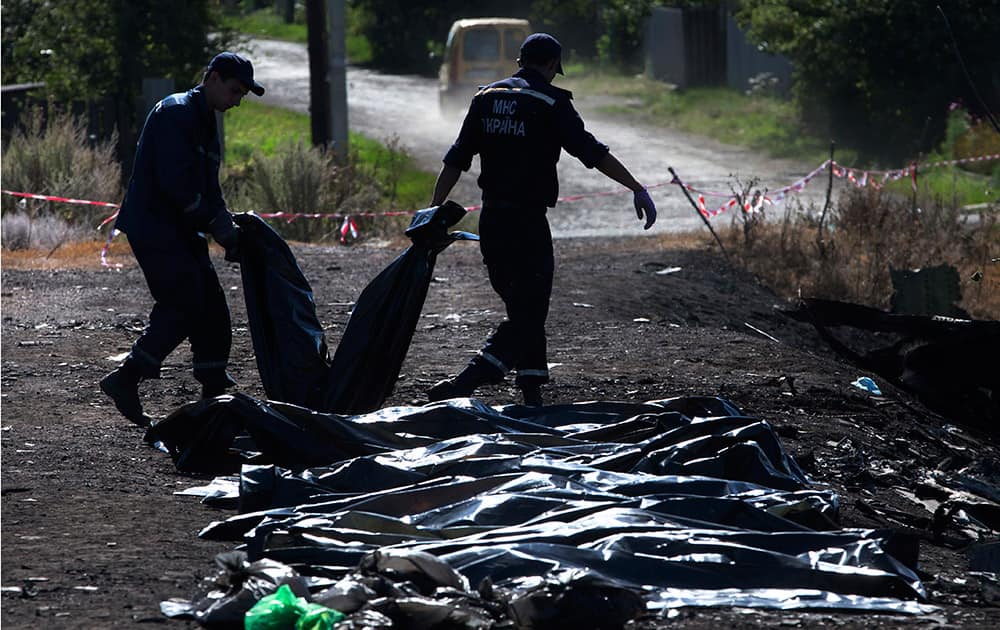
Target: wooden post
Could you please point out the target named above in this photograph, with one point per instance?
(337, 31)
(319, 90)
(698, 212)
(820, 244)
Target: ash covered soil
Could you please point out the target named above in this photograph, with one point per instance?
(92, 536)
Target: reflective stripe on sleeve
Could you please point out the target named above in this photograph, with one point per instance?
(534, 93)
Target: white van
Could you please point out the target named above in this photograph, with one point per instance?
(478, 51)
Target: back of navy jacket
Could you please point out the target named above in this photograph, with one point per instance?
(518, 126)
(174, 190)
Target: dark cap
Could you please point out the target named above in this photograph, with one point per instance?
(232, 66)
(540, 48)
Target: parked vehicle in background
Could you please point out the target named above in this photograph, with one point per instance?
(478, 51)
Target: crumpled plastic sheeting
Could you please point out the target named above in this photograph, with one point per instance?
(662, 498)
(238, 585)
(288, 339)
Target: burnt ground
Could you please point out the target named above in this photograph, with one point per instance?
(92, 536)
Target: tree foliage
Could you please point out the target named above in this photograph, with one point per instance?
(406, 36)
(87, 48)
(880, 74)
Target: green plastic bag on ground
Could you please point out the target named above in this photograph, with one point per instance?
(318, 617)
(285, 611)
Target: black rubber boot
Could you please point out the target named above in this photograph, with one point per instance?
(463, 385)
(532, 395)
(215, 385)
(122, 385)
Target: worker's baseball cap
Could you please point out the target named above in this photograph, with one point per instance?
(232, 66)
(542, 47)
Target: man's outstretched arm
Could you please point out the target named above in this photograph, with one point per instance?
(610, 166)
(446, 180)
(644, 206)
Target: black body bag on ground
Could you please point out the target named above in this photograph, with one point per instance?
(288, 339)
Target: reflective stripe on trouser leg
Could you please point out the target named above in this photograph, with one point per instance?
(532, 377)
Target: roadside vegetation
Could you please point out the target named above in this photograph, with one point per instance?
(772, 124)
(838, 96)
(269, 23)
(56, 159)
(270, 167)
(846, 252)
(763, 121)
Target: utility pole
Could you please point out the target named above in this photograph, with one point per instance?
(338, 77)
(319, 57)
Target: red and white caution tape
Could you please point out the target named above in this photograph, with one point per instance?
(859, 177)
(348, 227)
(85, 202)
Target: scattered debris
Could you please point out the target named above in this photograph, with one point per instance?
(949, 364)
(867, 384)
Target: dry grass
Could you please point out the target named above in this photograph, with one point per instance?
(864, 236)
(303, 179)
(867, 234)
(84, 254)
(55, 157)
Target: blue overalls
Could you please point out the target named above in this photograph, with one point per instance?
(173, 197)
(518, 127)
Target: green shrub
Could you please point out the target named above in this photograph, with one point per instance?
(863, 69)
(299, 178)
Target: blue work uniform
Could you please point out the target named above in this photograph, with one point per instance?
(174, 197)
(518, 127)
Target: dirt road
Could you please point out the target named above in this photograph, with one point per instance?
(94, 538)
(382, 106)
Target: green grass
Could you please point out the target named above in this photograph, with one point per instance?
(257, 128)
(951, 185)
(413, 190)
(269, 24)
(765, 123)
(254, 127)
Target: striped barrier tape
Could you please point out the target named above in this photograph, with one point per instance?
(859, 177)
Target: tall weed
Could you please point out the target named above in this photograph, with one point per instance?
(55, 157)
(300, 179)
(20, 231)
(866, 234)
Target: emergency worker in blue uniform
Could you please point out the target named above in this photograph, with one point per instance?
(518, 127)
(173, 200)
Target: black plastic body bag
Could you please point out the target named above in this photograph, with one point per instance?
(288, 339)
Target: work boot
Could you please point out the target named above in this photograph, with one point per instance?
(210, 388)
(463, 385)
(532, 395)
(122, 385)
